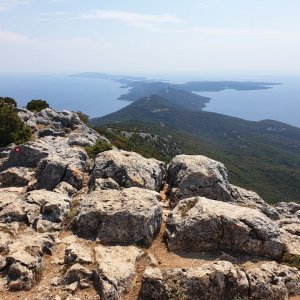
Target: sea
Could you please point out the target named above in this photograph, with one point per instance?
(98, 97)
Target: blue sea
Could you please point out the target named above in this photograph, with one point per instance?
(95, 97)
(98, 97)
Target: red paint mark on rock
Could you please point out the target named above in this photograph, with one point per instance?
(17, 149)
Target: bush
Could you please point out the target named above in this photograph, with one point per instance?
(12, 129)
(37, 105)
(8, 100)
(82, 116)
(99, 147)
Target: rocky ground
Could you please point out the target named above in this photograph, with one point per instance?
(126, 227)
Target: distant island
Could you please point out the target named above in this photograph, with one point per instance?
(183, 95)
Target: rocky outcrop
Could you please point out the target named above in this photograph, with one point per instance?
(116, 268)
(221, 280)
(122, 217)
(23, 262)
(129, 169)
(15, 177)
(197, 175)
(201, 224)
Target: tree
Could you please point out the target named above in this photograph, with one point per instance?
(37, 105)
(12, 128)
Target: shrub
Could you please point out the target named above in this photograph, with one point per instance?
(99, 147)
(82, 116)
(8, 100)
(12, 129)
(37, 105)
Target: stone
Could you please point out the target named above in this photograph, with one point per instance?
(65, 189)
(221, 280)
(288, 210)
(201, 224)
(12, 205)
(24, 259)
(15, 177)
(76, 253)
(270, 280)
(197, 175)
(49, 132)
(253, 200)
(77, 273)
(129, 169)
(53, 206)
(116, 268)
(105, 184)
(122, 217)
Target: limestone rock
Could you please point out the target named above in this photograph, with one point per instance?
(288, 209)
(273, 281)
(200, 224)
(12, 205)
(116, 267)
(77, 273)
(15, 177)
(251, 199)
(24, 259)
(124, 217)
(76, 253)
(105, 184)
(129, 169)
(221, 280)
(197, 175)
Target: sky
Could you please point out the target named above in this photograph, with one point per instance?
(146, 36)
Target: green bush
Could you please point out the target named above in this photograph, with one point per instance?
(12, 129)
(99, 147)
(8, 100)
(82, 116)
(37, 105)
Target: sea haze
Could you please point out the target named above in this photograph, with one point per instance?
(95, 97)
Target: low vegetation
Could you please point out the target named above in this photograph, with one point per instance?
(12, 129)
(37, 105)
(99, 147)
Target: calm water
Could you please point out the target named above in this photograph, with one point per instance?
(281, 103)
(96, 97)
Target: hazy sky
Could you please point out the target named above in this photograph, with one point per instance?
(133, 36)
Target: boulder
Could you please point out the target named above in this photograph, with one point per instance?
(120, 217)
(201, 224)
(85, 136)
(53, 206)
(15, 177)
(12, 205)
(105, 184)
(197, 175)
(221, 280)
(129, 169)
(115, 271)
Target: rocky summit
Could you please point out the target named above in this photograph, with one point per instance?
(122, 226)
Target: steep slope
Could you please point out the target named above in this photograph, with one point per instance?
(263, 156)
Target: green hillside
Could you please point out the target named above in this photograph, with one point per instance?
(262, 156)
